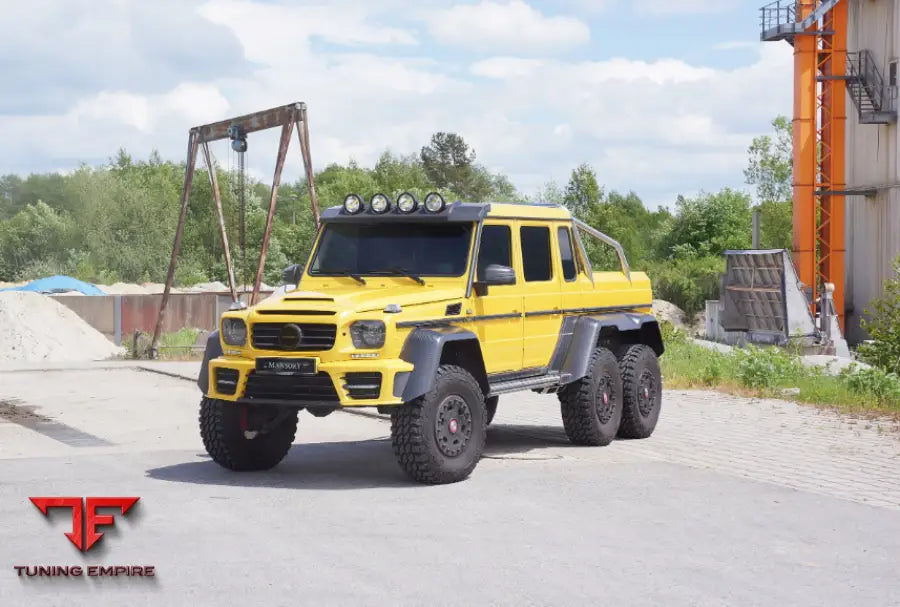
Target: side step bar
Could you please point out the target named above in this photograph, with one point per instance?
(540, 382)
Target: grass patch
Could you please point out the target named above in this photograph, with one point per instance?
(172, 346)
(776, 373)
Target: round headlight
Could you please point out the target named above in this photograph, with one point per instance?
(434, 203)
(380, 203)
(353, 204)
(234, 331)
(367, 334)
(407, 203)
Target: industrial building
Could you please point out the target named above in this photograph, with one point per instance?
(846, 161)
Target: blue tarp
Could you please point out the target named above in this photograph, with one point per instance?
(58, 284)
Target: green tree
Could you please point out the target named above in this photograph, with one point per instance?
(770, 171)
(582, 191)
(883, 326)
(709, 224)
(770, 166)
(448, 162)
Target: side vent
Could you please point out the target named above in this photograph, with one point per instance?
(453, 309)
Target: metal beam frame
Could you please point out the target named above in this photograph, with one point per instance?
(287, 117)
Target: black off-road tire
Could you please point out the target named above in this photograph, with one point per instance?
(641, 391)
(220, 429)
(589, 418)
(421, 430)
(490, 405)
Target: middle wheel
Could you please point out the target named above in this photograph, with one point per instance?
(439, 437)
(592, 406)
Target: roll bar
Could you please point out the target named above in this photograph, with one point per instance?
(605, 239)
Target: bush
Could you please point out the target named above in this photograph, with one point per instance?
(881, 386)
(883, 327)
(688, 281)
(765, 367)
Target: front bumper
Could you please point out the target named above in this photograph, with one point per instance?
(310, 391)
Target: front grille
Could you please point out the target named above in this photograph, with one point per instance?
(315, 337)
(363, 385)
(226, 381)
(300, 388)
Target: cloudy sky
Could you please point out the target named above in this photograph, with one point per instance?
(660, 96)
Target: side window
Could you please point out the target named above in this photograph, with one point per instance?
(566, 254)
(536, 261)
(496, 248)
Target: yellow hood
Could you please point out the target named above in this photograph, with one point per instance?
(362, 299)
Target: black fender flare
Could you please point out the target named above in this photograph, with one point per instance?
(424, 348)
(213, 350)
(619, 327)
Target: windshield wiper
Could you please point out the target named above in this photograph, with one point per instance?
(334, 272)
(401, 272)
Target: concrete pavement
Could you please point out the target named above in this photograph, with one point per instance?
(731, 502)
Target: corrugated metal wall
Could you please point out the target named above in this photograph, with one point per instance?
(873, 223)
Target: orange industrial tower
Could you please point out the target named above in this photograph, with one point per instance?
(817, 29)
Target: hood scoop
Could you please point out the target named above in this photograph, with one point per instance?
(331, 299)
(297, 312)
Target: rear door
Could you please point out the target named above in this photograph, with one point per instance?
(499, 312)
(541, 289)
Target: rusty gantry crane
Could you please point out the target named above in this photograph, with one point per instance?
(236, 129)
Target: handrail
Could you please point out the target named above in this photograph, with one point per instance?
(777, 13)
(867, 78)
(608, 240)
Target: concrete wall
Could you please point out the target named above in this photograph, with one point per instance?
(873, 223)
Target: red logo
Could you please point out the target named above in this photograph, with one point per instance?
(85, 518)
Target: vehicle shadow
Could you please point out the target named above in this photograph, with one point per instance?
(356, 464)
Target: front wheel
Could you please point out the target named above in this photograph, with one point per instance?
(439, 437)
(239, 439)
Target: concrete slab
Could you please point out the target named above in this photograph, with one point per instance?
(732, 502)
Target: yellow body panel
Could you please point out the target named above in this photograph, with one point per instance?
(524, 339)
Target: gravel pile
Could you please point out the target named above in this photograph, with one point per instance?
(37, 328)
(664, 310)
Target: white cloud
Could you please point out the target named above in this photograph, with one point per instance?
(735, 44)
(669, 7)
(657, 127)
(513, 25)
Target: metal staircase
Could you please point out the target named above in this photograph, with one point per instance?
(874, 100)
(778, 20)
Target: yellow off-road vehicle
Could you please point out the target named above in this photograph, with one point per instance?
(430, 312)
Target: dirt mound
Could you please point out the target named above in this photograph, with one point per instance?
(123, 288)
(663, 310)
(34, 327)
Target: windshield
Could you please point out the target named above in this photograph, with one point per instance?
(391, 248)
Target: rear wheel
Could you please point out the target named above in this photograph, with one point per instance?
(439, 437)
(240, 439)
(592, 406)
(491, 406)
(641, 391)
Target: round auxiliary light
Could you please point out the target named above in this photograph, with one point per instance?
(353, 204)
(407, 203)
(380, 203)
(434, 203)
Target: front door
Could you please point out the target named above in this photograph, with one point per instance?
(499, 311)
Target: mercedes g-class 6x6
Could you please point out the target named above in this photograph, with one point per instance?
(430, 312)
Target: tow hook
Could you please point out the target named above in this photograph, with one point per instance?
(267, 427)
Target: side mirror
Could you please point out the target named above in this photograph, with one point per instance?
(291, 275)
(495, 275)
